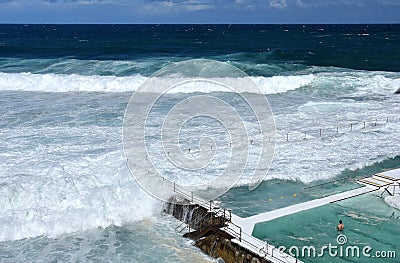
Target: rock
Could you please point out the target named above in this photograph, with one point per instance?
(205, 249)
(222, 248)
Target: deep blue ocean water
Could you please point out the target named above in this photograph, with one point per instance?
(67, 194)
(251, 47)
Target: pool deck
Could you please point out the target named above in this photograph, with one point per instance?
(242, 228)
(370, 184)
(248, 223)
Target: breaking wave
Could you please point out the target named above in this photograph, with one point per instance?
(75, 83)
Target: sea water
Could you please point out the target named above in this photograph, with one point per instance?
(67, 194)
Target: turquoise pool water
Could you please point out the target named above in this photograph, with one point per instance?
(369, 222)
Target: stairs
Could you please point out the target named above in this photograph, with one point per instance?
(377, 180)
(211, 229)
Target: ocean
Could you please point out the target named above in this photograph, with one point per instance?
(67, 194)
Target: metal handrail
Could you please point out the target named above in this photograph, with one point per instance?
(236, 234)
(264, 249)
(347, 178)
(195, 221)
(184, 193)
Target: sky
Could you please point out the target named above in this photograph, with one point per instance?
(200, 11)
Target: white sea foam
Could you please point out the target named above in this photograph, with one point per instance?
(393, 201)
(298, 159)
(357, 83)
(281, 84)
(57, 180)
(68, 83)
(75, 83)
(60, 179)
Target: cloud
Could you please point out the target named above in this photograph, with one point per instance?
(246, 5)
(389, 2)
(175, 6)
(150, 7)
(307, 3)
(257, 4)
(280, 4)
(199, 11)
(331, 3)
(83, 2)
(301, 3)
(147, 6)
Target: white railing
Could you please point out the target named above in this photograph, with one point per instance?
(258, 247)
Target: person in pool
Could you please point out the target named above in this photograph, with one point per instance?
(340, 227)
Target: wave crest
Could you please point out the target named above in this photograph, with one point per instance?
(77, 83)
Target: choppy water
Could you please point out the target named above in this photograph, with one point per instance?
(67, 194)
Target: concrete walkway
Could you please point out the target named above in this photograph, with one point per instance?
(248, 223)
(242, 228)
